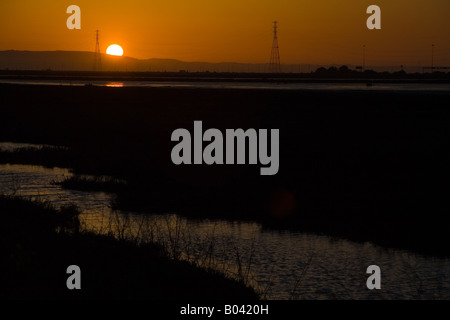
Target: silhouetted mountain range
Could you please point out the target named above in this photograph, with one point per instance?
(84, 61)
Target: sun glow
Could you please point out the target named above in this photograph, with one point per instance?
(114, 50)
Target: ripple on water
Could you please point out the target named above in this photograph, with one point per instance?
(283, 264)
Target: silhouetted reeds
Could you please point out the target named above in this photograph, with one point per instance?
(93, 183)
(40, 242)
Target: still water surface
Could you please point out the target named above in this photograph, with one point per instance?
(285, 265)
(242, 85)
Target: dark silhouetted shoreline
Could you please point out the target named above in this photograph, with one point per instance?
(40, 242)
(321, 75)
(367, 166)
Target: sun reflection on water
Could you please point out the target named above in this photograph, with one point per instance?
(115, 84)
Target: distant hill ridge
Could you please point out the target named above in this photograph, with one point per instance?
(84, 61)
(59, 60)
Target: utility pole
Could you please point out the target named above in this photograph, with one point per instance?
(97, 56)
(364, 58)
(275, 65)
(432, 58)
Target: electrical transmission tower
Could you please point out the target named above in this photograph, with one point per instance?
(97, 56)
(275, 65)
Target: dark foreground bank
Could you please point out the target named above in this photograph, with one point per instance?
(364, 165)
(38, 243)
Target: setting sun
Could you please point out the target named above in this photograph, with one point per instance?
(114, 50)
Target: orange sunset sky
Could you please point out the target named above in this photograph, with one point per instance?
(310, 31)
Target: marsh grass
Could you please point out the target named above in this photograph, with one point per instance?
(294, 295)
(39, 242)
(93, 183)
(174, 235)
